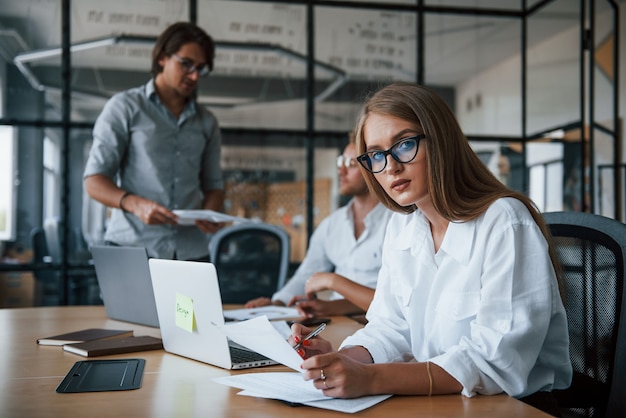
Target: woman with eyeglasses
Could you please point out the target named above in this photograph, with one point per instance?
(468, 293)
(165, 149)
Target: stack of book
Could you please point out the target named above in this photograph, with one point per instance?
(94, 342)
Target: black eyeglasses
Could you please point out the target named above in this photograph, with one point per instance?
(189, 67)
(403, 151)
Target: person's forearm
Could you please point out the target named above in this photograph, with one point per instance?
(343, 307)
(359, 295)
(412, 379)
(104, 190)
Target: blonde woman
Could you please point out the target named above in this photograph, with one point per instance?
(468, 293)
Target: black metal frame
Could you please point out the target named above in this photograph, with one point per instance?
(310, 134)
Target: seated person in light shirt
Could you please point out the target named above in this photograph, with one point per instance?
(468, 296)
(343, 255)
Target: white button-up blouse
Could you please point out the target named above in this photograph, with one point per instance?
(486, 307)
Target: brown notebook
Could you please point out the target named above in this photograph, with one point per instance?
(90, 334)
(114, 346)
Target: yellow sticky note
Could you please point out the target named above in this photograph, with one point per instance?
(185, 317)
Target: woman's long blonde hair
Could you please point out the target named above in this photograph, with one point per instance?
(461, 187)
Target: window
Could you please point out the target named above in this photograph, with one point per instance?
(51, 178)
(8, 196)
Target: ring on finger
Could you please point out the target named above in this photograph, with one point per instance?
(322, 375)
(325, 385)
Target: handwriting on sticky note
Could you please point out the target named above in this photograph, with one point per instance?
(185, 317)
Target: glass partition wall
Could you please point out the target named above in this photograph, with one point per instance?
(527, 80)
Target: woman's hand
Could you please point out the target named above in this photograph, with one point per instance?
(338, 375)
(312, 347)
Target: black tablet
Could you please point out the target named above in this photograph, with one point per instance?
(103, 375)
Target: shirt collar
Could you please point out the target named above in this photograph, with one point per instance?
(151, 90)
(414, 240)
(348, 212)
(374, 215)
(188, 111)
(458, 241)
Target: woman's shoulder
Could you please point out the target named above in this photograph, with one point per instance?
(510, 209)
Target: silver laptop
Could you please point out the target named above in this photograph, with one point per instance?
(124, 279)
(189, 305)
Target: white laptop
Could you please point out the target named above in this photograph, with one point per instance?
(189, 306)
(124, 280)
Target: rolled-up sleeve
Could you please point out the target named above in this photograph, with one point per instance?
(110, 139)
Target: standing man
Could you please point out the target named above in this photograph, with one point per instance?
(344, 253)
(156, 150)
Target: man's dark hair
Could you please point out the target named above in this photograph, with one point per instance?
(177, 35)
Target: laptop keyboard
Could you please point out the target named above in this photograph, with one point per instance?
(239, 355)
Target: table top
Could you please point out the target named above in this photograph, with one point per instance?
(173, 385)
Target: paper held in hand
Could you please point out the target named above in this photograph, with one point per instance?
(261, 336)
(188, 217)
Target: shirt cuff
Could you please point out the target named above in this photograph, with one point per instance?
(460, 366)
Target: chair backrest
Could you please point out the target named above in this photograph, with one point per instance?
(40, 246)
(47, 280)
(592, 251)
(78, 251)
(251, 260)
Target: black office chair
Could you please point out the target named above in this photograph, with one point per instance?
(592, 251)
(82, 285)
(251, 260)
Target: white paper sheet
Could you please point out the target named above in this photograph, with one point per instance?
(258, 334)
(348, 405)
(283, 328)
(291, 387)
(286, 386)
(272, 312)
(188, 217)
(261, 335)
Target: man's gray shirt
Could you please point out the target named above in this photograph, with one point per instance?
(169, 161)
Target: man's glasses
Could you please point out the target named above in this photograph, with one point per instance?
(347, 162)
(403, 151)
(189, 67)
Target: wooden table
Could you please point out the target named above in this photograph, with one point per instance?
(173, 386)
